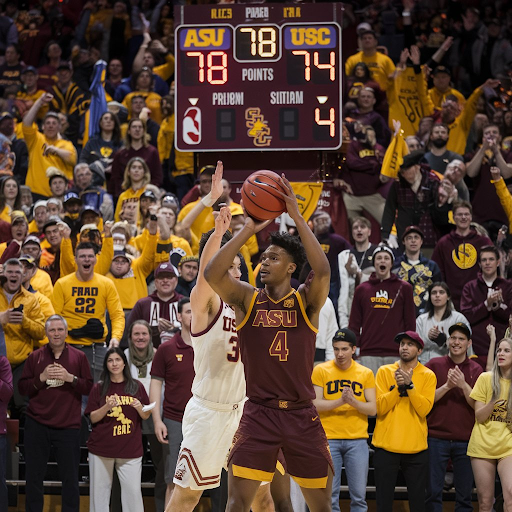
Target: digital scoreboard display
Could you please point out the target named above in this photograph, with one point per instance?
(258, 77)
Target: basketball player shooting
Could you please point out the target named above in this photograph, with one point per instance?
(277, 328)
(218, 392)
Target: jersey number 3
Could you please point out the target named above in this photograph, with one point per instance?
(234, 355)
(279, 347)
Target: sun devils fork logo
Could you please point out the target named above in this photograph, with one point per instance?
(258, 127)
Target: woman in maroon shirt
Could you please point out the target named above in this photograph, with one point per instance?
(115, 410)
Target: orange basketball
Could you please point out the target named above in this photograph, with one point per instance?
(260, 194)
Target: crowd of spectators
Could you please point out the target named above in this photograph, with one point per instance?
(99, 236)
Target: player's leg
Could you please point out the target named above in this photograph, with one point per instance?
(319, 499)
(242, 492)
(183, 499)
(263, 501)
(280, 490)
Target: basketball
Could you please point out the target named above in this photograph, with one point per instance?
(260, 195)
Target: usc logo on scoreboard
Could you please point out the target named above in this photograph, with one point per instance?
(217, 38)
(321, 36)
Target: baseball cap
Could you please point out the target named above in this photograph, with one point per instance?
(39, 203)
(88, 227)
(89, 208)
(186, 259)
(236, 209)
(17, 215)
(345, 335)
(71, 196)
(54, 172)
(148, 194)
(207, 169)
(6, 115)
(31, 239)
(462, 327)
(29, 69)
(363, 27)
(413, 229)
(28, 259)
(411, 159)
(441, 69)
(171, 201)
(64, 65)
(383, 248)
(166, 268)
(412, 335)
(122, 254)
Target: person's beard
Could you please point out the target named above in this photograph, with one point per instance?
(439, 143)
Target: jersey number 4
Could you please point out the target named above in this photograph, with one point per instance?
(279, 347)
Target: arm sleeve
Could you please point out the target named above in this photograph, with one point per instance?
(470, 109)
(33, 320)
(156, 168)
(346, 284)
(85, 382)
(105, 257)
(386, 398)
(6, 389)
(388, 217)
(146, 261)
(30, 383)
(422, 398)
(469, 308)
(356, 316)
(115, 311)
(409, 310)
(505, 199)
(67, 259)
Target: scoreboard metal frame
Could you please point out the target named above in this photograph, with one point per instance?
(258, 77)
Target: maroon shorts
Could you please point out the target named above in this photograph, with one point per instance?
(263, 431)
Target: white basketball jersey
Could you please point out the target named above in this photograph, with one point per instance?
(219, 370)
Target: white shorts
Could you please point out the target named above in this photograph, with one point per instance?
(207, 438)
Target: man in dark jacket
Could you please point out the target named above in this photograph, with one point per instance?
(487, 300)
(414, 200)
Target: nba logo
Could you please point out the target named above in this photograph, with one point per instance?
(192, 126)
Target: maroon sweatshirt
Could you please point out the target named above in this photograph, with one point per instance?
(58, 407)
(457, 257)
(174, 365)
(362, 171)
(452, 418)
(5, 391)
(380, 310)
(472, 306)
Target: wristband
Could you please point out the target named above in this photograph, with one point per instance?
(406, 14)
(207, 200)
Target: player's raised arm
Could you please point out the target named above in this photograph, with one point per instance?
(231, 290)
(316, 289)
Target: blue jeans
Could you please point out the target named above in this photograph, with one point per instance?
(354, 455)
(440, 451)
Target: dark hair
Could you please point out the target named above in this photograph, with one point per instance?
(17, 201)
(292, 245)
(116, 133)
(130, 385)
(226, 237)
(182, 302)
(488, 248)
(449, 305)
(367, 74)
(15, 46)
(136, 75)
(86, 245)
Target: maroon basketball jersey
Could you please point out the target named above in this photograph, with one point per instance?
(277, 343)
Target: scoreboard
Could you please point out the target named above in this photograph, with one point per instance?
(253, 77)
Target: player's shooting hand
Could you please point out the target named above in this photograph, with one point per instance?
(254, 226)
(292, 206)
(161, 432)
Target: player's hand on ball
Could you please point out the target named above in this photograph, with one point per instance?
(292, 206)
(254, 225)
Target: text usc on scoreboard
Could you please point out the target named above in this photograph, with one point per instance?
(252, 77)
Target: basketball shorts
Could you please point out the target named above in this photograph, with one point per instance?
(208, 430)
(263, 431)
